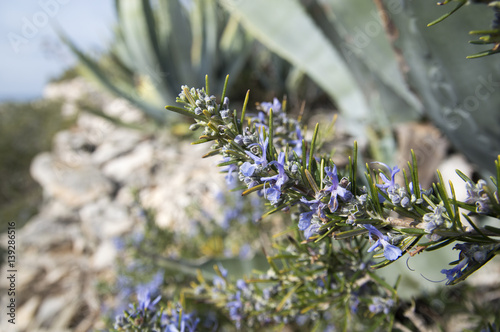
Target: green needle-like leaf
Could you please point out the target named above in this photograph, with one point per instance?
(243, 110)
(253, 189)
(313, 145)
(311, 181)
(288, 296)
(460, 4)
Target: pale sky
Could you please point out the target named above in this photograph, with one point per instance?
(30, 50)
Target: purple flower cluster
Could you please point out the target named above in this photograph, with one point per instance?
(476, 194)
(379, 305)
(434, 220)
(471, 256)
(273, 192)
(391, 252)
(335, 189)
(310, 221)
(145, 315)
(178, 321)
(235, 304)
(397, 194)
(153, 319)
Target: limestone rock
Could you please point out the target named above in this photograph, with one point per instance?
(119, 143)
(122, 109)
(75, 186)
(104, 220)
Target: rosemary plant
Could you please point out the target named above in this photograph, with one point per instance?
(321, 273)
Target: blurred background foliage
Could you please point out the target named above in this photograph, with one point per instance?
(382, 65)
(378, 62)
(160, 45)
(25, 130)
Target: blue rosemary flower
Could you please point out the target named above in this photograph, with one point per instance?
(311, 230)
(280, 178)
(354, 302)
(241, 284)
(179, 321)
(434, 220)
(391, 252)
(476, 194)
(335, 189)
(306, 223)
(247, 169)
(275, 106)
(471, 255)
(457, 271)
(230, 169)
(144, 292)
(220, 282)
(388, 185)
(235, 307)
(144, 299)
(262, 160)
(296, 143)
(381, 305)
(273, 193)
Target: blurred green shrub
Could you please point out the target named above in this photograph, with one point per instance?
(25, 130)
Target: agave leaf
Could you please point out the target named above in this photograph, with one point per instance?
(358, 29)
(160, 45)
(210, 27)
(95, 70)
(136, 34)
(460, 96)
(175, 31)
(285, 28)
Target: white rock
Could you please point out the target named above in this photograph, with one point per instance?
(51, 307)
(176, 191)
(69, 90)
(103, 220)
(125, 196)
(26, 313)
(52, 227)
(105, 256)
(74, 186)
(72, 148)
(95, 128)
(120, 142)
(124, 168)
(122, 109)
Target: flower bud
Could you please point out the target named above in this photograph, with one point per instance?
(194, 126)
(238, 139)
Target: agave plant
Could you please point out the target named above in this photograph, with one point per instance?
(160, 44)
(382, 65)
